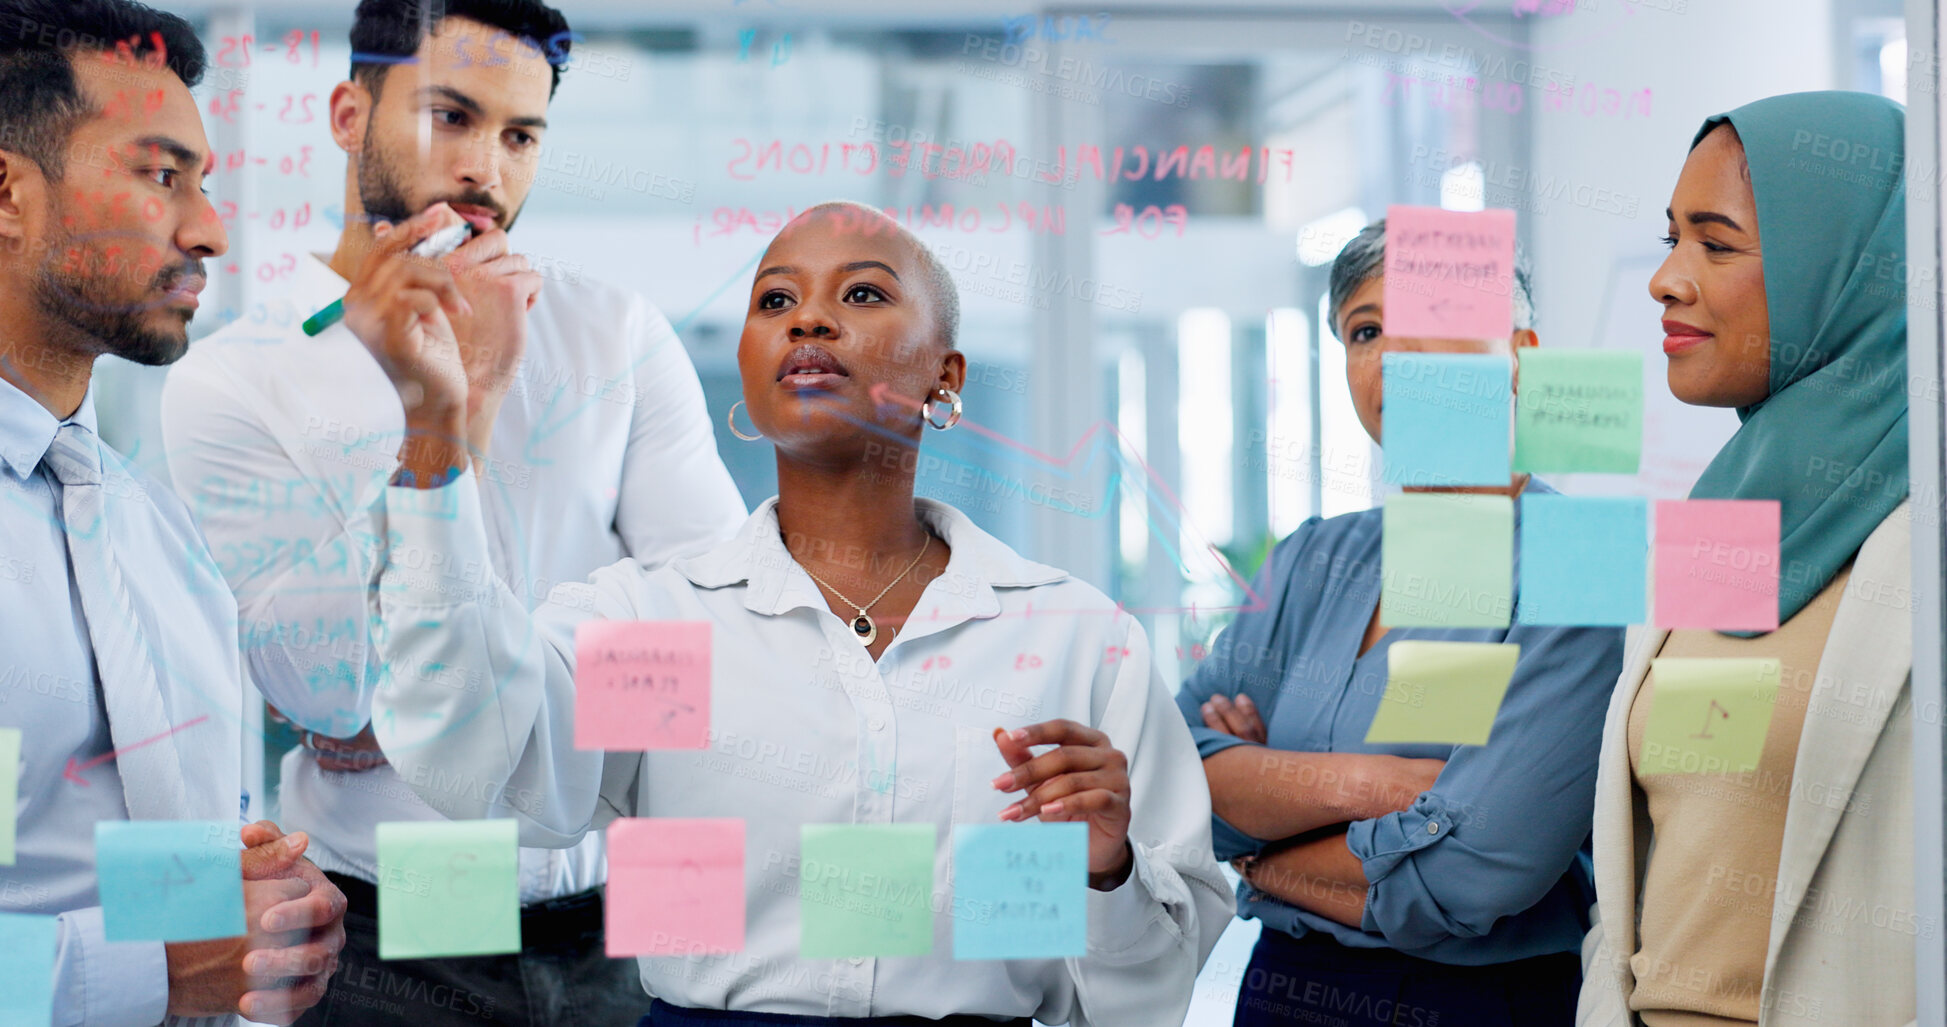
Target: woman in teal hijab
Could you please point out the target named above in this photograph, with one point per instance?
(1830, 393)
(1765, 873)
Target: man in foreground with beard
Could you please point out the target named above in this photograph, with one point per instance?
(284, 443)
(119, 678)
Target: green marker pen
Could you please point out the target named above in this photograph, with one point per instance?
(438, 244)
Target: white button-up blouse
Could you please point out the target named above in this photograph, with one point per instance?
(806, 728)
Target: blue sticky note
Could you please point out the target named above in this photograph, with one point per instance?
(1020, 891)
(1447, 418)
(169, 880)
(1584, 561)
(27, 974)
(9, 791)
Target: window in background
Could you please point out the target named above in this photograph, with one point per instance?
(1132, 526)
(1463, 187)
(1203, 347)
(1292, 481)
(1881, 61)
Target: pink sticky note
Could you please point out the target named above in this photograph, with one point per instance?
(1449, 273)
(675, 887)
(642, 685)
(1717, 564)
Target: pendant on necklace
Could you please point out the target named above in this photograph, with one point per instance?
(865, 629)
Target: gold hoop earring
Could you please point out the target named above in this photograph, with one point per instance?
(731, 419)
(953, 416)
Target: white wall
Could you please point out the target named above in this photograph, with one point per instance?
(1697, 58)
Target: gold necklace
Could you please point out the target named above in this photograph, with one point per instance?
(863, 626)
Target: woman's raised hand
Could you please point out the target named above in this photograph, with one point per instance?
(1084, 778)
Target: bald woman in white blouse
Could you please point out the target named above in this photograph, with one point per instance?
(854, 626)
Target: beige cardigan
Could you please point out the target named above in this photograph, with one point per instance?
(1842, 922)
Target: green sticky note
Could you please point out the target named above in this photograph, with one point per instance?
(9, 791)
(1447, 561)
(1708, 716)
(1579, 410)
(448, 888)
(1443, 692)
(866, 890)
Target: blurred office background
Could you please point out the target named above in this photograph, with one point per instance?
(1154, 397)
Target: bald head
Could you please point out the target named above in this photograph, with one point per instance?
(943, 297)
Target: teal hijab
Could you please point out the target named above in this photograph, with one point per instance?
(1829, 442)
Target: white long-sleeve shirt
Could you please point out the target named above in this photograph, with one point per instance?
(807, 729)
(282, 444)
(71, 725)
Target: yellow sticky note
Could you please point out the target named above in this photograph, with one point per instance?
(1708, 716)
(9, 791)
(1443, 692)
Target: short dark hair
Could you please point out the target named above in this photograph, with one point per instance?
(40, 97)
(388, 32)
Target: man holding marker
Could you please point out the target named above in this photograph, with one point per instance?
(123, 690)
(603, 449)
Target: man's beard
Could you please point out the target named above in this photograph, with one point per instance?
(86, 305)
(381, 190)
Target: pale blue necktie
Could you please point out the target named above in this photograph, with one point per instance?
(153, 783)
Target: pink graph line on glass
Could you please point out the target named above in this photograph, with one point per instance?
(73, 770)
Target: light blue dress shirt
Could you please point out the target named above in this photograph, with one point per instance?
(50, 690)
(1491, 864)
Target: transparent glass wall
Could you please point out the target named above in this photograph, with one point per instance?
(1137, 212)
